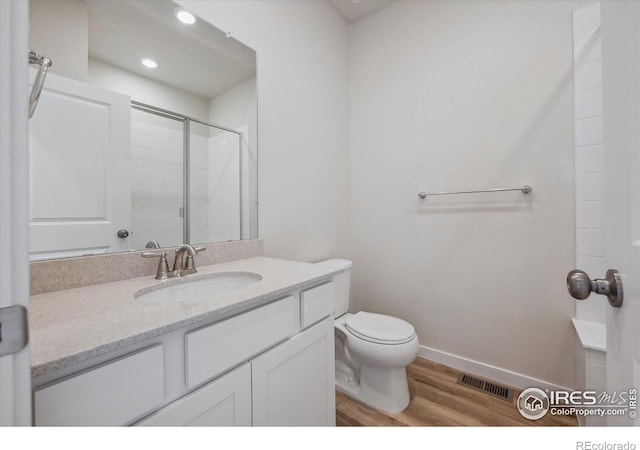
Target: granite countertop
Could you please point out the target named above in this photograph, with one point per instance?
(74, 325)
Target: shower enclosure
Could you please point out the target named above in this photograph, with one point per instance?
(186, 181)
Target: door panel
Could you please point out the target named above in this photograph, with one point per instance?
(621, 105)
(79, 170)
(295, 374)
(225, 402)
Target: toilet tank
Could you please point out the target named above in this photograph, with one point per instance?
(341, 283)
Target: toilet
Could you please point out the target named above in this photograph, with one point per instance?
(372, 350)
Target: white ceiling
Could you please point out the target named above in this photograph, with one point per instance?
(196, 58)
(353, 11)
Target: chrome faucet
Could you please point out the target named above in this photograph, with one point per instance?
(181, 265)
(163, 267)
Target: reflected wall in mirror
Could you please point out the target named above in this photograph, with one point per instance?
(145, 133)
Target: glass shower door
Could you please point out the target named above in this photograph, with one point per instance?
(215, 202)
(157, 182)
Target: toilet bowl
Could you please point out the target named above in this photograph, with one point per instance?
(372, 350)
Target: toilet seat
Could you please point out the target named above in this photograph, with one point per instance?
(379, 328)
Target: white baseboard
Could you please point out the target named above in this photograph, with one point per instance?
(483, 370)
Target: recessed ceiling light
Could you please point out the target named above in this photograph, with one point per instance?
(355, 2)
(150, 63)
(185, 17)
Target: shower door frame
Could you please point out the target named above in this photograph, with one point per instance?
(186, 161)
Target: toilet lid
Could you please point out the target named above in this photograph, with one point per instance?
(380, 328)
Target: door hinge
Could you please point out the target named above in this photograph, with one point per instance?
(14, 329)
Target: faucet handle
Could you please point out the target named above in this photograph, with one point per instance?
(190, 263)
(163, 267)
(195, 249)
(154, 254)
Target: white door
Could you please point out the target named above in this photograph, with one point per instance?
(79, 170)
(620, 25)
(293, 383)
(15, 378)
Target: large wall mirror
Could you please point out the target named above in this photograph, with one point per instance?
(145, 134)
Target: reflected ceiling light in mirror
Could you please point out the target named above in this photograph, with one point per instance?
(185, 16)
(148, 62)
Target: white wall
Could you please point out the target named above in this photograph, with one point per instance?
(444, 95)
(467, 95)
(589, 156)
(235, 107)
(146, 90)
(59, 30)
(303, 103)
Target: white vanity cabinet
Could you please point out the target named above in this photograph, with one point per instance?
(225, 402)
(290, 385)
(293, 383)
(215, 348)
(270, 365)
(110, 394)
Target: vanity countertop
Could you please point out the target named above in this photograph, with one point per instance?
(74, 325)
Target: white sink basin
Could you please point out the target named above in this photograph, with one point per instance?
(201, 288)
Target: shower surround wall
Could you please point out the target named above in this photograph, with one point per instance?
(589, 156)
(455, 96)
(157, 181)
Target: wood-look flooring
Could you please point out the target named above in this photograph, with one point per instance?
(438, 400)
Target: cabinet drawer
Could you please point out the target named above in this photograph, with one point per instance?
(112, 394)
(316, 304)
(224, 402)
(218, 347)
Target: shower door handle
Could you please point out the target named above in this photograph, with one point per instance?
(580, 286)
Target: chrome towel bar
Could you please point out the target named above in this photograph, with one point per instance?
(44, 62)
(524, 189)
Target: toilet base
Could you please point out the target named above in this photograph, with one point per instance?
(383, 389)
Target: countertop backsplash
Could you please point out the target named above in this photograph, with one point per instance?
(61, 274)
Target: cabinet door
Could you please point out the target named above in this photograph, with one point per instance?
(115, 393)
(293, 383)
(224, 402)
